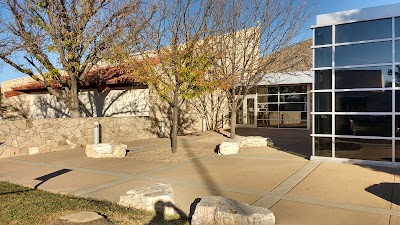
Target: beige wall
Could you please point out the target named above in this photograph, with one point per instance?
(114, 103)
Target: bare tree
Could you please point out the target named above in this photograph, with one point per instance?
(247, 34)
(57, 42)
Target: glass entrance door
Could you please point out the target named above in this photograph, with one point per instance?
(250, 111)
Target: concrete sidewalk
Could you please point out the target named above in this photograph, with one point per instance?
(298, 191)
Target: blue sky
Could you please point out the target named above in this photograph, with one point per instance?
(324, 6)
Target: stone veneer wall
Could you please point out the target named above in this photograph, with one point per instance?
(25, 137)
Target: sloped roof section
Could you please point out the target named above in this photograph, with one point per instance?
(111, 76)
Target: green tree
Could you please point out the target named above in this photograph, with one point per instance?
(176, 63)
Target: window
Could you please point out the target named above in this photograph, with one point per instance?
(323, 35)
(358, 125)
(323, 57)
(359, 54)
(368, 149)
(323, 102)
(364, 77)
(323, 124)
(363, 101)
(360, 31)
(323, 79)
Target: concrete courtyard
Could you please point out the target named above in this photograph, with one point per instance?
(296, 190)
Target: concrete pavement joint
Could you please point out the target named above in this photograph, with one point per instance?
(287, 185)
(102, 186)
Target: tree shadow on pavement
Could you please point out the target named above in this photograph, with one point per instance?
(43, 179)
(386, 191)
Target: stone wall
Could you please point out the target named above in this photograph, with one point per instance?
(25, 137)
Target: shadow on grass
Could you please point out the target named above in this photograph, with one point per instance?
(160, 216)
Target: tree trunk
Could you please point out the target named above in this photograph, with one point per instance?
(74, 101)
(174, 133)
(233, 124)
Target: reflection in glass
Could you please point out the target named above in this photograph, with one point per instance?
(359, 54)
(323, 79)
(273, 90)
(367, 149)
(361, 31)
(323, 124)
(397, 129)
(323, 102)
(380, 126)
(397, 151)
(323, 57)
(323, 35)
(294, 98)
(365, 77)
(268, 123)
(364, 101)
(323, 146)
(291, 119)
(293, 89)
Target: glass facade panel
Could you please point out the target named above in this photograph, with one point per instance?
(262, 89)
(273, 90)
(361, 31)
(323, 102)
(323, 79)
(364, 77)
(359, 54)
(363, 101)
(357, 125)
(367, 149)
(397, 151)
(323, 146)
(323, 57)
(323, 124)
(293, 89)
(397, 27)
(293, 107)
(323, 35)
(397, 55)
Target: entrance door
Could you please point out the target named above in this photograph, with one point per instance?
(250, 115)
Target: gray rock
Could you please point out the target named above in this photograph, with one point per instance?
(217, 210)
(229, 147)
(106, 150)
(157, 197)
(82, 218)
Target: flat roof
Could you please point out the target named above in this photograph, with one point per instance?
(354, 15)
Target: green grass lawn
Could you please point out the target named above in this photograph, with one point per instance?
(22, 205)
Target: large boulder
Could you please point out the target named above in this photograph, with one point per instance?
(229, 147)
(157, 197)
(255, 141)
(106, 150)
(82, 218)
(217, 210)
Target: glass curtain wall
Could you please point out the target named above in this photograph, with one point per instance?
(282, 106)
(356, 91)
